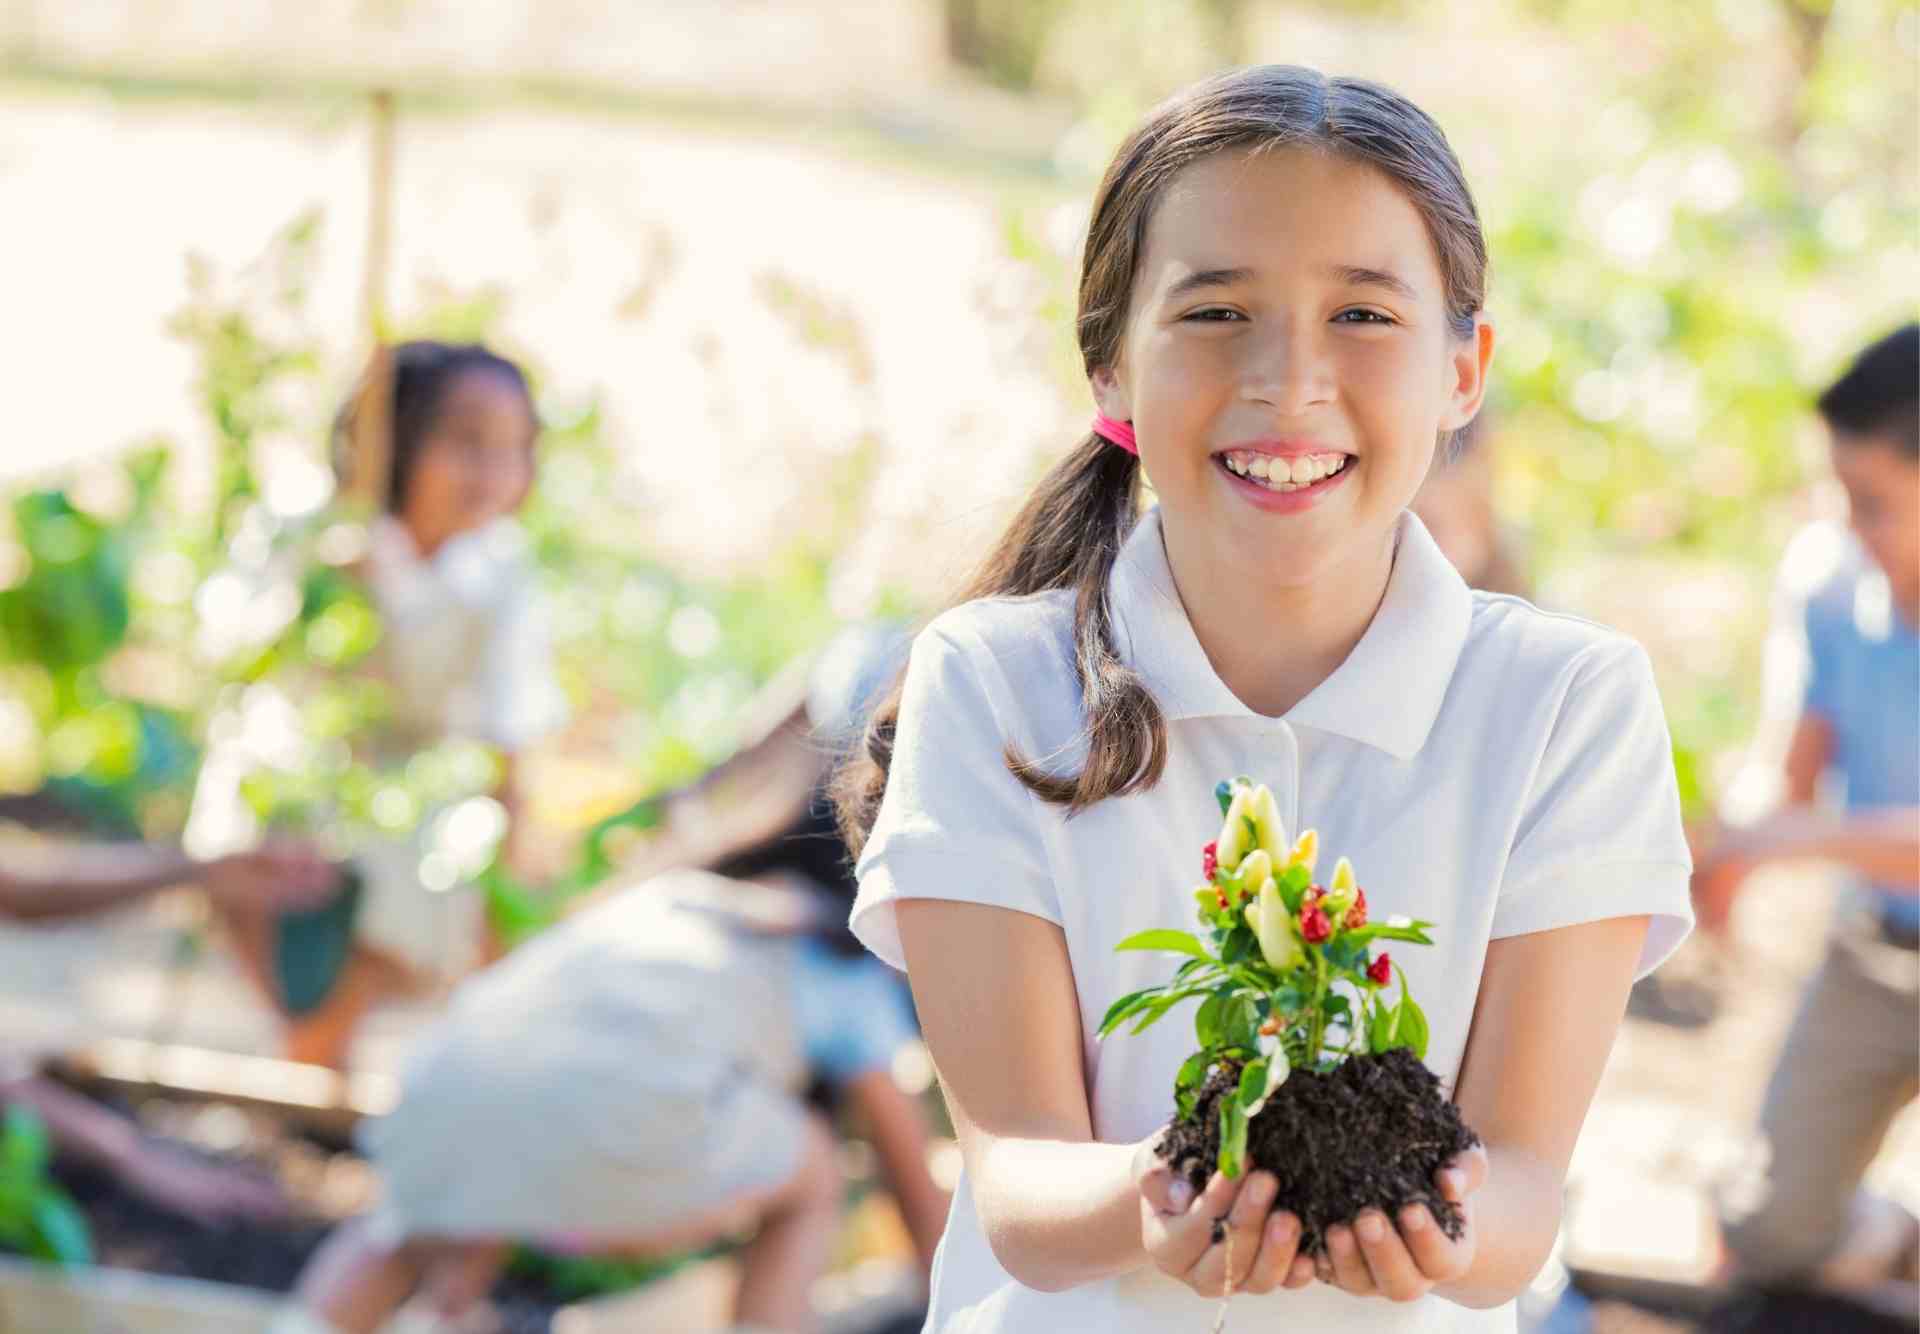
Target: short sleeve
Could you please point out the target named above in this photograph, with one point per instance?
(1819, 695)
(1602, 836)
(521, 696)
(954, 823)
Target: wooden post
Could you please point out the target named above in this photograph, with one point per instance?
(372, 414)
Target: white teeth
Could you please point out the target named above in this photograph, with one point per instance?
(1278, 474)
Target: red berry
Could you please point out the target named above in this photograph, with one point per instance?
(1223, 899)
(1380, 971)
(1209, 860)
(1357, 914)
(1315, 925)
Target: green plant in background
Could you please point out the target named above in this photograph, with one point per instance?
(102, 755)
(1268, 975)
(37, 1217)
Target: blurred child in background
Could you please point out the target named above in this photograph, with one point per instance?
(634, 1081)
(57, 882)
(1846, 662)
(463, 652)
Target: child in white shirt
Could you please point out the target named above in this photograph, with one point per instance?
(463, 652)
(1281, 316)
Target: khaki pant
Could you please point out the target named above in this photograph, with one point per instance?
(1850, 1063)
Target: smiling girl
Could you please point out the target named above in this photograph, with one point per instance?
(1281, 317)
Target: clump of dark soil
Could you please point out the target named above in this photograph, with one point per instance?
(1370, 1133)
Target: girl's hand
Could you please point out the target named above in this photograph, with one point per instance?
(1179, 1232)
(1374, 1258)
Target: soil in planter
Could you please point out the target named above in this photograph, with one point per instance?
(130, 1233)
(1370, 1133)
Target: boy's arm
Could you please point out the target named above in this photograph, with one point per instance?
(1719, 871)
(1881, 845)
(897, 1126)
(76, 880)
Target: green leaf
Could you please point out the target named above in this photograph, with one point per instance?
(1336, 1006)
(1347, 953)
(23, 1151)
(1413, 931)
(1126, 1005)
(1152, 1012)
(1380, 1028)
(1293, 885)
(1241, 944)
(1413, 1027)
(1193, 1072)
(1240, 1023)
(1233, 1136)
(1206, 1021)
(1165, 938)
(1253, 1084)
(62, 1229)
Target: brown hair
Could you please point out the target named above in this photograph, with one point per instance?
(1070, 530)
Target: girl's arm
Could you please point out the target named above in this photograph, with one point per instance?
(995, 994)
(1550, 1004)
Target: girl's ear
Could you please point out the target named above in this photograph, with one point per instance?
(1467, 362)
(1110, 395)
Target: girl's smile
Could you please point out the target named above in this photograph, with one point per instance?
(1282, 476)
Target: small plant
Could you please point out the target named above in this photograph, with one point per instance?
(37, 1217)
(1307, 1051)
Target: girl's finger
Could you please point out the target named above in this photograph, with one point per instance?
(1238, 1238)
(1437, 1257)
(1463, 1175)
(1164, 1187)
(1301, 1273)
(1350, 1273)
(1278, 1244)
(1179, 1242)
(1395, 1276)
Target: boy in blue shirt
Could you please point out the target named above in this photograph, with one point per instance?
(1798, 1215)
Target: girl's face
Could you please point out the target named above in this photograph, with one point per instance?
(1287, 363)
(476, 462)
(1883, 505)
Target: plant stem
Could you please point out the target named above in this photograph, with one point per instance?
(1317, 1026)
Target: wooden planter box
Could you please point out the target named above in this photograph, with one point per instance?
(44, 1299)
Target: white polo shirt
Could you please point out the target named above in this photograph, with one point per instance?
(1489, 767)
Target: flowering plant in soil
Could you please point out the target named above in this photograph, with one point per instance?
(1310, 1060)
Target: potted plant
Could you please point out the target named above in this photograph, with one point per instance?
(1310, 1063)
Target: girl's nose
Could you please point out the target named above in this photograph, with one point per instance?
(1289, 372)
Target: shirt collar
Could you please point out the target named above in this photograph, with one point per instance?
(1386, 694)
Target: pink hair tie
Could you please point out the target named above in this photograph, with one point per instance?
(1116, 433)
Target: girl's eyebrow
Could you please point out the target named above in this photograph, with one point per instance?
(1207, 278)
(1356, 276)
(1353, 275)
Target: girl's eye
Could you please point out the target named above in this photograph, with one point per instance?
(1214, 315)
(1365, 317)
